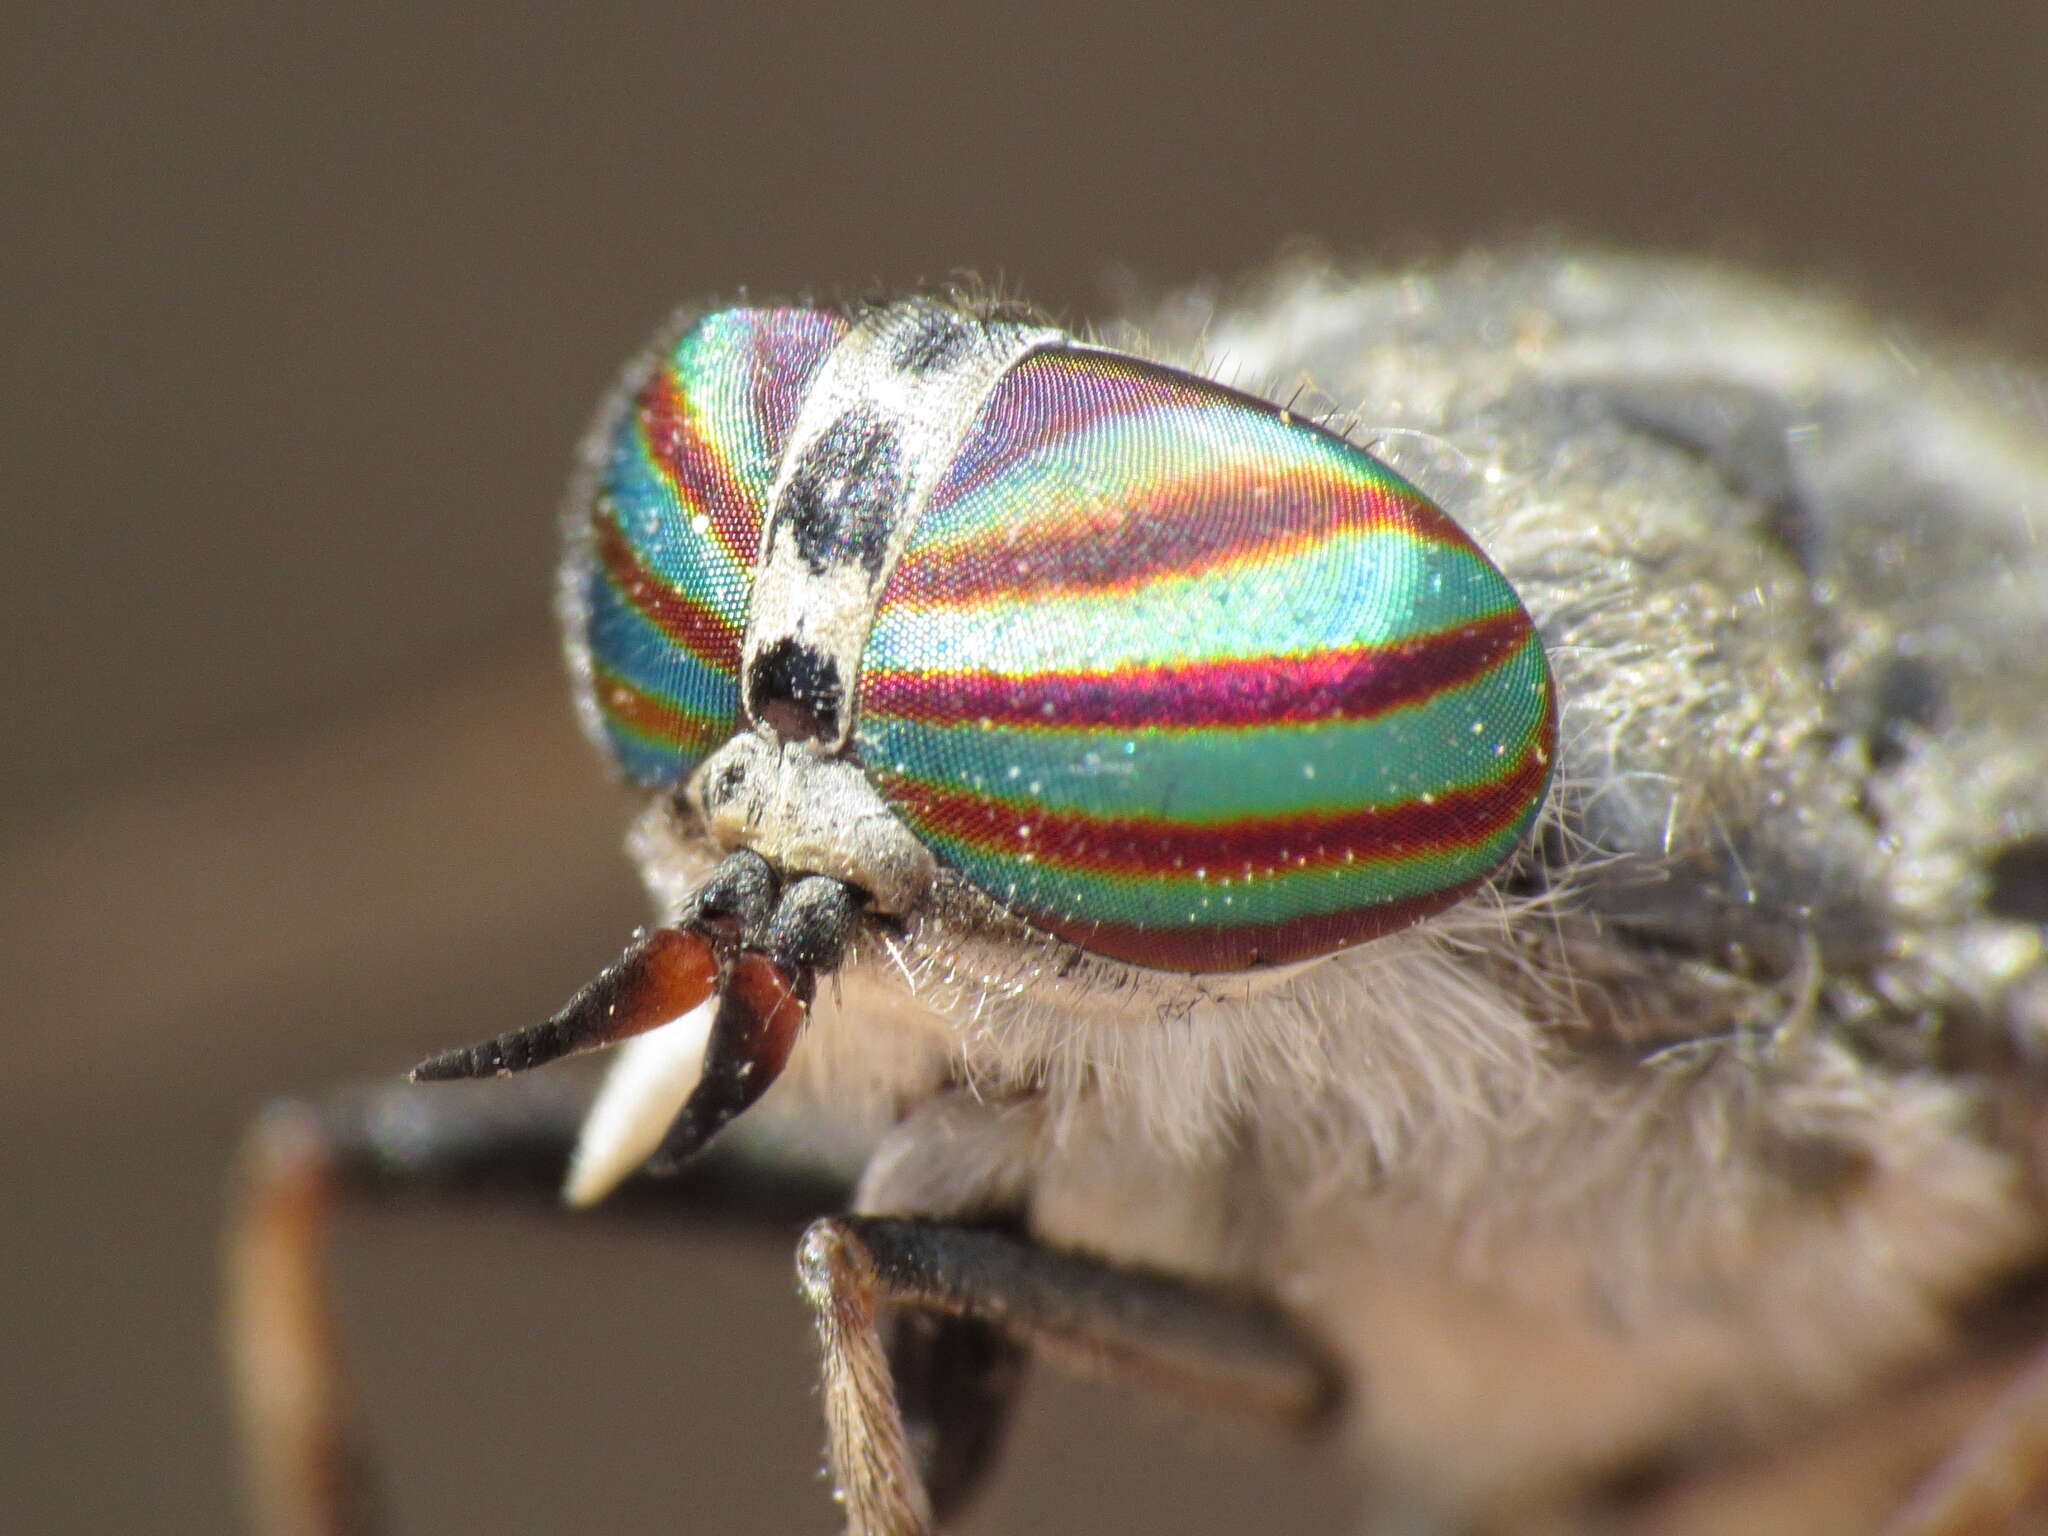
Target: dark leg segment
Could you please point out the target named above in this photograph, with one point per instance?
(936, 1319)
(1219, 1351)
(957, 1380)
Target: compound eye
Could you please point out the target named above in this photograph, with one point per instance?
(661, 559)
(1195, 684)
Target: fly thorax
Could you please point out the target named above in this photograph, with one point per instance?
(878, 428)
(810, 815)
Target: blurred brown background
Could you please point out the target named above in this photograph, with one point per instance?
(303, 311)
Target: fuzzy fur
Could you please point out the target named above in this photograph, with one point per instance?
(1648, 1149)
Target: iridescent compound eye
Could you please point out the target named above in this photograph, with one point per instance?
(1195, 684)
(1160, 668)
(658, 582)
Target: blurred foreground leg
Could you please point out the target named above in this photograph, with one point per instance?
(304, 1468)
(1996, 1478)
(503, 1142)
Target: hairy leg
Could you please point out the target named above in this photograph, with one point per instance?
(1218, 1351)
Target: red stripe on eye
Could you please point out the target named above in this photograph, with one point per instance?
(1352, 684)
(651, 717)
(784, 350)
(1198, 947)
(695, 469)
(1155, 848)
(1227, 514)
(705, 633)
(1049, 396)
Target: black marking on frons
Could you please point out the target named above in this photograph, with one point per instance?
(936, 339)
(843, 496)
(796, 690)
(724, 784)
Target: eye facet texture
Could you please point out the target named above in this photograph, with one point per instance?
(1193, 683)
(666, 567)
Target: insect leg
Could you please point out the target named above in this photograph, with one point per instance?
(1222, 1352)
(507, 1142)
(303, 1465)
(1996, 1474)
(957, 1380)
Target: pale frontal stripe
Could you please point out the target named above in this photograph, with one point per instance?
(915, 415)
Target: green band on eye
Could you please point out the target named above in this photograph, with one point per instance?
(1195, 684)
(660, 576)
(1161, 668)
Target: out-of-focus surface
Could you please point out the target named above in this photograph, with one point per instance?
(303, 314)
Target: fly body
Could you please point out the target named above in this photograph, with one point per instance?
(1512, 937)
